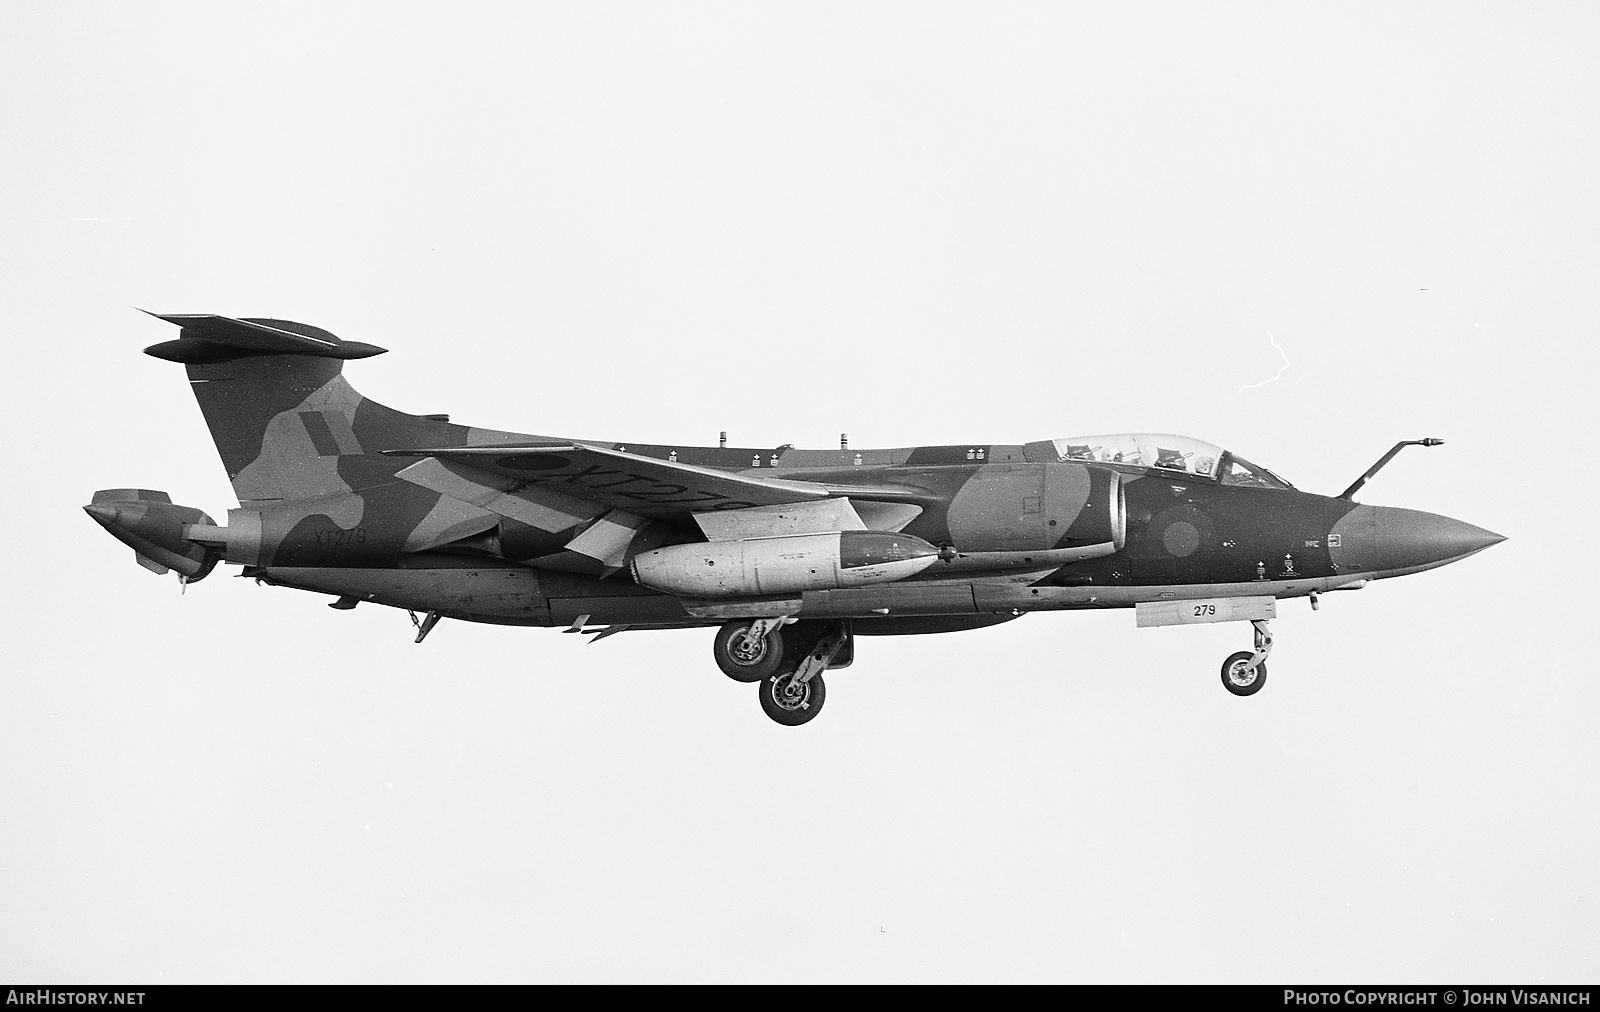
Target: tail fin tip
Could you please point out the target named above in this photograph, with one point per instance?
(205, 337)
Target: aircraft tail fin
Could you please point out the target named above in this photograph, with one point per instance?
(286, 423)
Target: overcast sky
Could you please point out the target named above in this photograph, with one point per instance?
(916, 223)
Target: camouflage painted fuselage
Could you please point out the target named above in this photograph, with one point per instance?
(341, 495)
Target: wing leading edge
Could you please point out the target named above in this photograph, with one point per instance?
(616, 479)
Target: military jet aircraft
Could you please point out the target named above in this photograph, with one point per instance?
(788, 553)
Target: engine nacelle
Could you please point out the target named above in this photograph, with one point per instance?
(783, 565)
(1104, 516)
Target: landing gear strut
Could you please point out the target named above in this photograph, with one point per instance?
(1244, 673)
(794, 697)
(787, 658)
(750, 650)
(424, 626)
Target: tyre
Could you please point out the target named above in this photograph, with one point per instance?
(791, 703)
(1237, 677)
(747, 665)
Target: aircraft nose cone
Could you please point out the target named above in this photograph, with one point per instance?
(1411, 539)
(102, 514)
(1385, 539)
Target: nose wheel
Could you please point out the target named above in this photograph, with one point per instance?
(1245, 673)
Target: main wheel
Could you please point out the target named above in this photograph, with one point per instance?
(791, 703)
(1237, 677)
(747, 664)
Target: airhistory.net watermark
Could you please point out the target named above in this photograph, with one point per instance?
(46, 997)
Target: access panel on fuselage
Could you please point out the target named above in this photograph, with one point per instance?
(999, 508)
(1017, 507)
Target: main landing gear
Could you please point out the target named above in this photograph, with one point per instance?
(787, 658)
(750, 651)
(1245, 672)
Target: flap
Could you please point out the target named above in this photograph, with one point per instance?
(537, 507)
(886, 516)
(451, 519)
(608, 539)
(821, 516)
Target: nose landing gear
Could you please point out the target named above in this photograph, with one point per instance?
(1245, 672)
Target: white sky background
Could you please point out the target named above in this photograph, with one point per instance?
(914, 223)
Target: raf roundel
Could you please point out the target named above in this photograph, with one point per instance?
(1181, 538)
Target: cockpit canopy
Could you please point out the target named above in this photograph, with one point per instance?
(1167, 452)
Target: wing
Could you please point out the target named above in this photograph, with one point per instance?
(609, 497)
(615, 479)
